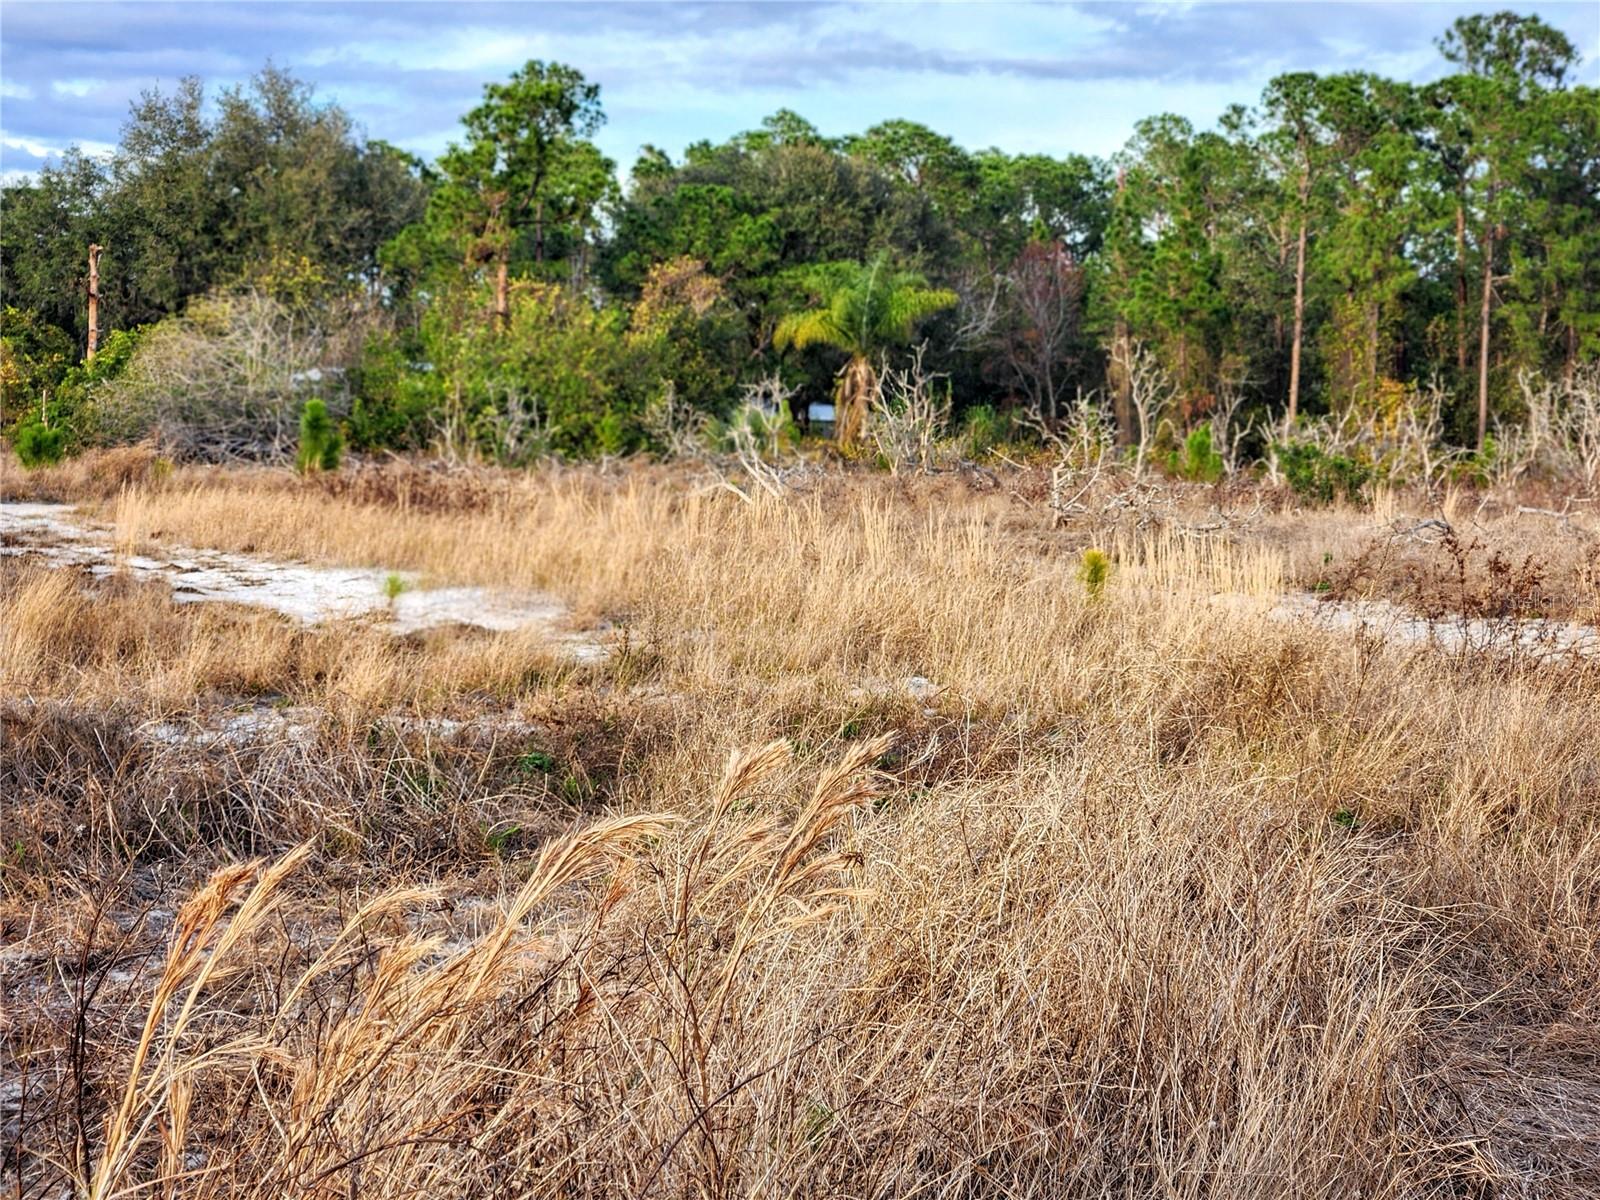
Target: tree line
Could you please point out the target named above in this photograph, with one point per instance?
(1342, 248)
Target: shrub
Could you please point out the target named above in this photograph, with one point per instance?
(224, 379)
(42, 386)
(614, 433)
(1319, 476)
(38, 444)
(395, 401)
(34, 355)
(685, 329)
(984, 429)
(1195, 460)
(1481, 465)
(562, 378)
(321, 445)
(907, 413)
(1094, 568)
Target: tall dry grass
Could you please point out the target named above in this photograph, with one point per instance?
(1150, 896)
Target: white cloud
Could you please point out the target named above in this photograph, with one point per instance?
(76, 87)
(28, 146)
(37, 149)
(15, 91)
(492, 51)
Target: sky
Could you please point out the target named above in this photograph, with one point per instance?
(1045, 78)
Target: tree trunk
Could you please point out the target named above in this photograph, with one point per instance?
(1120, 378)
(856, 384)
(1461, 290)
(538, 230)
(502, 293)
(1122, 385)
(1299, 321)
(1372, 347)
(1483, 335)
(94, 301)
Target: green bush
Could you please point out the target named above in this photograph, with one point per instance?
(1477, 468)
(321, 445)
(41, 386)
(34, 356)
(563, 378)
(1094, 568)
(395, 403)
(1320, 477)
(39, 445)
(984, 429)
(1196, 461)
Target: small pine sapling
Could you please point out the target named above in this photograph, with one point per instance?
(321, 444)
(1094, 568)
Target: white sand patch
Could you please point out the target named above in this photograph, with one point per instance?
(269, 724)
(312, 595)
(252, 726)
(1536, 638)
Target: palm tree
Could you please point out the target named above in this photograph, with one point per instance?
(863, 309)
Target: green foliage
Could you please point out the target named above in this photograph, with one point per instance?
(394, 586)
(39, 445)
(1320, 477)
(536, 762)
(111, 359)
(498, 838)
(395, 402)
(202, 192)
(1520, 50)
(1094, 569)
(563, 378)
(34, 355)
(43, 391)
(1477, 468)
(321, 445)
(537, 307)
(1169, 284)
(686, 331)
(710, 223)
(526, 173)
(1196, 461)
(574, 791)
(862, 308)
(983, 429)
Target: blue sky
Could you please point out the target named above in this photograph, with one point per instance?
(1050, 78)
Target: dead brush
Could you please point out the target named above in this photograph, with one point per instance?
(203, 936)
(387, 1066)
(99, 474)
(1172, 899)
(423, 486)
(779, 883)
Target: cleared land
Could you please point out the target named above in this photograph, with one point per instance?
(874, 854)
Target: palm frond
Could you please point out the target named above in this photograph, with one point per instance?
(904, 306)
(810, 327)
(861, 308)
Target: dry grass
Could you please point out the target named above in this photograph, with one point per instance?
(1143, 895)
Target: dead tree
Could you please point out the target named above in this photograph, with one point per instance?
(1038, 334)
(1151, 391)
(94, 300)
